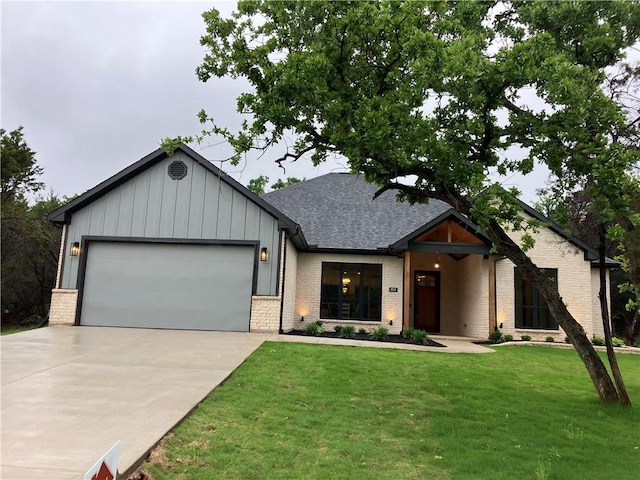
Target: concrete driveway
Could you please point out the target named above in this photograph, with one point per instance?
(69, 393)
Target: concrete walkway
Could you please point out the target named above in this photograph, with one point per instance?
(452, 344)
(69, 393)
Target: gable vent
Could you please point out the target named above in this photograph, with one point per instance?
(177, 170)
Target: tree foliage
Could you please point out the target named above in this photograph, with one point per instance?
(29, 243)
(257, 185)
(434, 99)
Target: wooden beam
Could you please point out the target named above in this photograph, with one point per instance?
(406, 307)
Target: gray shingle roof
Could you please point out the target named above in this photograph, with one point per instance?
(338, 211)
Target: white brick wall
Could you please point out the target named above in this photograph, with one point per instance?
(290, 281)
(474, 296)
(308, 286)
(574, 284)
(63, 307)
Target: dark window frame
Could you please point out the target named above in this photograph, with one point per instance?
(361, 292)
(538, 304)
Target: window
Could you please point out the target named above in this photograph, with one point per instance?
(351, 291)
(531, 309)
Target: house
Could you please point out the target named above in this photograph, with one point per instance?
(173, 242)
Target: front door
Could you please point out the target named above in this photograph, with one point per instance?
(426, 301)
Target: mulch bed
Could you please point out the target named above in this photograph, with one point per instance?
(367, 337)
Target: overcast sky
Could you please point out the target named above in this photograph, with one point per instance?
(97, 86)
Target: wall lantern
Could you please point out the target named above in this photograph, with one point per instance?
(437, 264)
(75, 249)
(264, 254)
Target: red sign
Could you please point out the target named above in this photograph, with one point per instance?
(104, 473)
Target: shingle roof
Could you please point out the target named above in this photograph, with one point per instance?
(338, 211)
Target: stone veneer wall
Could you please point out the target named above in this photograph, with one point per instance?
(308, 289)
(63, 307)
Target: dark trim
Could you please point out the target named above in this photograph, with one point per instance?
(351, 251)
(86, 240)
(450, 247)
(63, 214)
(284, 279)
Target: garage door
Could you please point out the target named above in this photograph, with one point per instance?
(195, 287)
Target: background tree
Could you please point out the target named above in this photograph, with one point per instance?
(257, 185)
(430, 98)
(29, 243)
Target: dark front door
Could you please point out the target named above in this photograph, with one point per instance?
(426, 301)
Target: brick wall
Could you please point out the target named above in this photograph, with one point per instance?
(308, 285)
(574, 284)
(63, 307)
(473, 285)
(265, 314)
(289, 303)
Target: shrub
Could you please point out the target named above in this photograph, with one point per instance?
(598, 341)
(496, 336)
(508, 338)
(525, 338)
(617, 342)
(314, 328)
(415, 335)
(347, 331)
(420, 337)
(549, 339)
(379, 333)
(408, 333)
(362, 330)
(338, 329)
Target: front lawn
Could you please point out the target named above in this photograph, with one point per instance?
(295, 411)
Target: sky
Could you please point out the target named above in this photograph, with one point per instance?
(98, 85)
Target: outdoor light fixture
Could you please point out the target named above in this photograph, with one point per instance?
(302, 319)
(264, 254)
(437, 264)
(75, 249)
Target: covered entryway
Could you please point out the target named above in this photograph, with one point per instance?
(449, 274)
(191, 286)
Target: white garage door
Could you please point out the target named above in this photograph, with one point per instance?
(179, 286)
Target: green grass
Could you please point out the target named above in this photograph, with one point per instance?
(296, 411)
(11, 330)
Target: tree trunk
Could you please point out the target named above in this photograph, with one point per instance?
(576, 334)
(604, 309)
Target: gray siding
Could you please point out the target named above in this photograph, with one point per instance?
(200, 206)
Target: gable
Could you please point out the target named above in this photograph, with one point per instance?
(62, 214)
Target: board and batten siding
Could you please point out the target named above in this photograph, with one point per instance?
(200, 206)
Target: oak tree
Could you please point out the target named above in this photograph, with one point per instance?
(437, 100)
